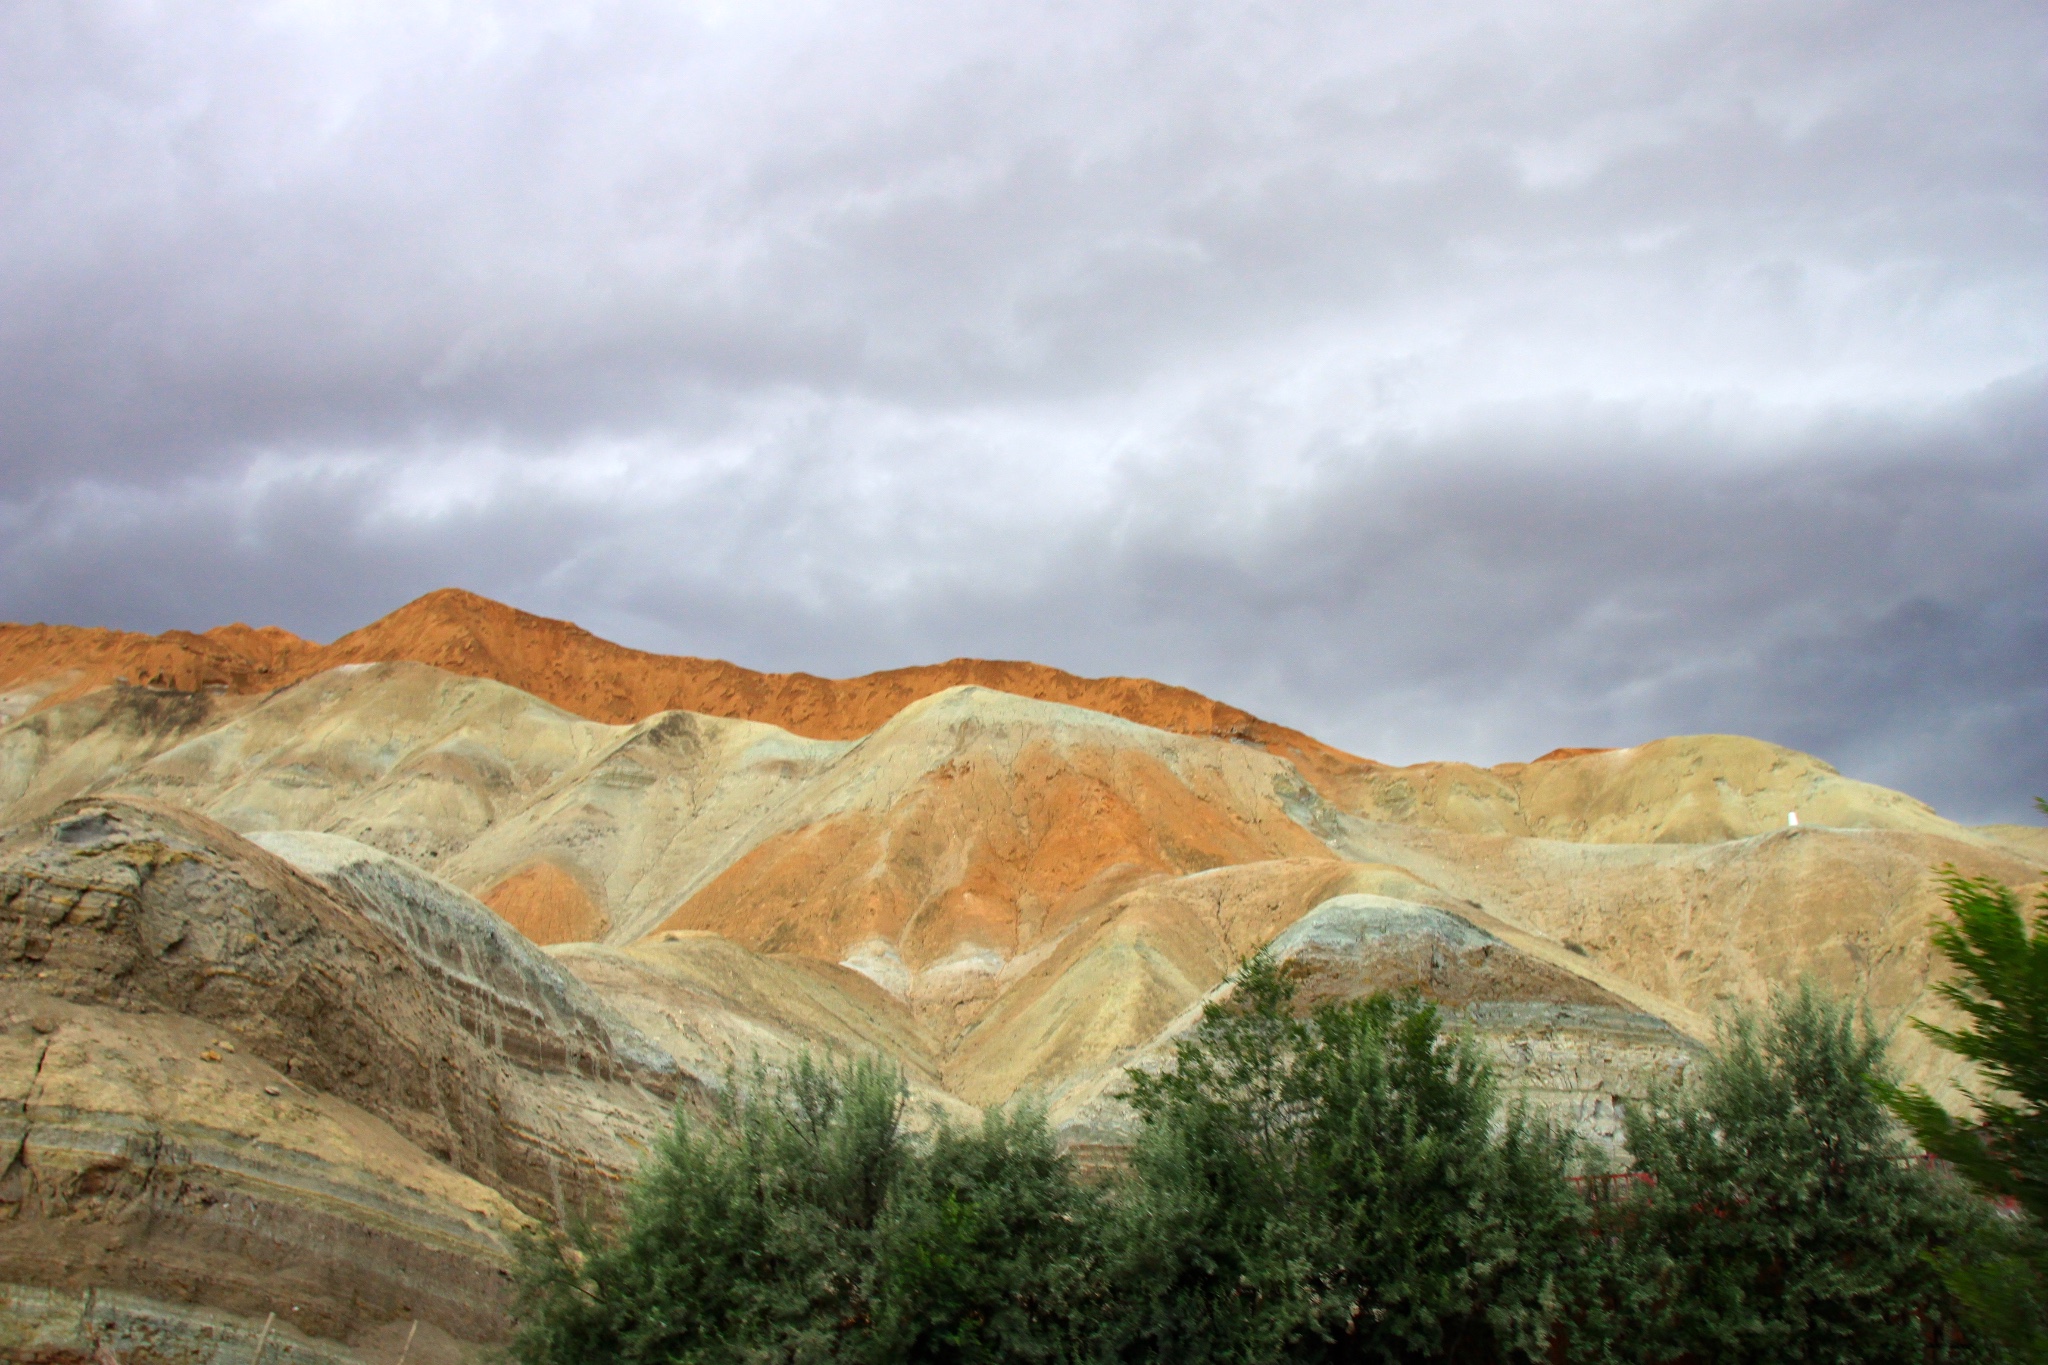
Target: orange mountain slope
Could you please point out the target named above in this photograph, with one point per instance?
(562, 663)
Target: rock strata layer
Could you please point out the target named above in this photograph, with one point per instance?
(225, 1083)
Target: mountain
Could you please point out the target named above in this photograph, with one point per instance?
(460, 632)
(325, 968)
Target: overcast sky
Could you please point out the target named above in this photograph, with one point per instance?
(1448, 380)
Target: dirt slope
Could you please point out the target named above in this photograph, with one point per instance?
(1709, 926)
(980, 822)
(572, 829)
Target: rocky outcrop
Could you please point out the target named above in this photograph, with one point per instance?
(145, 908)
(40, 1326)
(505, 992)
(229, 1085)
(1565, 1044)
(148, 1154)
(1353, 946)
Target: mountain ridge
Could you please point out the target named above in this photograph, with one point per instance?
(562, 663)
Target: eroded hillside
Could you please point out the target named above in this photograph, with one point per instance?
(322, 968)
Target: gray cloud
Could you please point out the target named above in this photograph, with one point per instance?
(1446, 380)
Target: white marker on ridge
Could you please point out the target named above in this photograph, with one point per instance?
(1792, 819)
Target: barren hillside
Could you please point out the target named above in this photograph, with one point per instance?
(394, 943)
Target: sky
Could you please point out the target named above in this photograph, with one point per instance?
(1447, 380)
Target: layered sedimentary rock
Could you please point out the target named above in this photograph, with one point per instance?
(228, 1084)
(1563, 1041)
(146, 1157)
(323, 968)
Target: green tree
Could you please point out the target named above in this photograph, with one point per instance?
(809, 1226)
(988, 1250)
(1790, 1219)
(1215, 1241)
(2001, 990)
(1342, 1187)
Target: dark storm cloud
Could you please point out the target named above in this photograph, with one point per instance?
(1449, 380)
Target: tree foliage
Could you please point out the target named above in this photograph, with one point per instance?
(1344, 1186)
(1337, 1185)
(2001, 990)
(1792, 1219)
(808, 1226)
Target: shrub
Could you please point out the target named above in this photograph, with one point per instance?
(1790, 1217)
(809, 1226)
(988, 1250)
(1344, 1186)
(1341, 1187)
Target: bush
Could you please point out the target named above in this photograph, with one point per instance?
(1341, 1187)
(1791, 1219)
(809, 1226)
(987, 1250)
(1345, 1186)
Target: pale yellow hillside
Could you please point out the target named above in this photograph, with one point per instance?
(93, 742)
(398, 756)
(1692, 789)
(1712, 926)
(565, 823)
(2027, 841)
(722, 1010)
